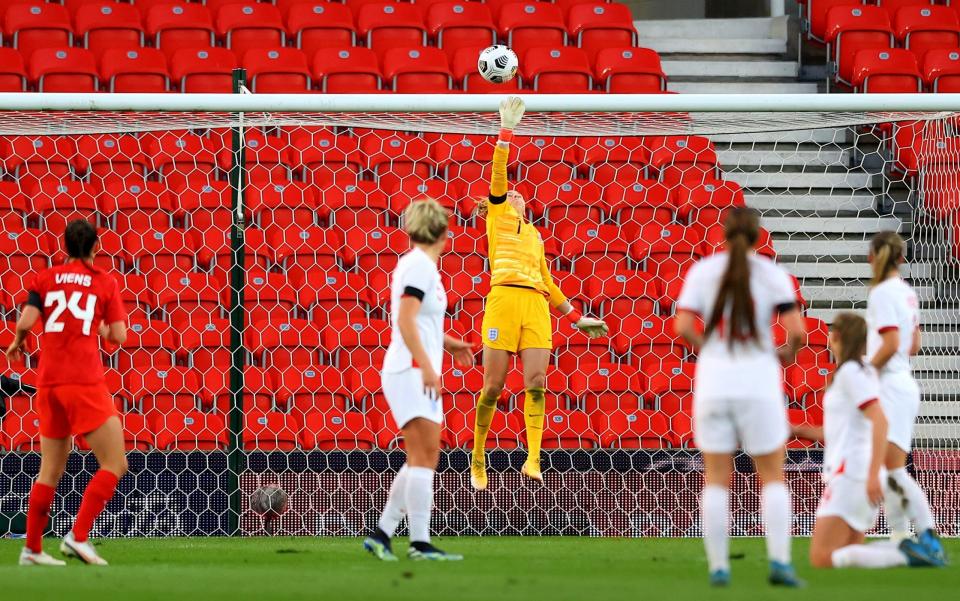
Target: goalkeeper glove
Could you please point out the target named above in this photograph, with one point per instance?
(594, 328)
(511, 111)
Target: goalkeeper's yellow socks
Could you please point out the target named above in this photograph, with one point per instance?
(534, 407)
(486, 407)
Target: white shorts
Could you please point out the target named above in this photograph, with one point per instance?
(404, 393)
(759, 426)
(900, 399)
(846, 498)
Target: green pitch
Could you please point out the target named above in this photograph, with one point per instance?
(495, 569)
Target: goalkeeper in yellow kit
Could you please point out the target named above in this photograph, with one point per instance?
(517, 312)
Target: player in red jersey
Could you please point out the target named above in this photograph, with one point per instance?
(77, 303)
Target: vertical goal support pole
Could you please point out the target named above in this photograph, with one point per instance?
(238, 168)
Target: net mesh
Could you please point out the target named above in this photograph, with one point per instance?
(625, 203)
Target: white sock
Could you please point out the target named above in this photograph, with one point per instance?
(917, 506)
(775, 505)
(419, 502)
(893, 508)
(396, 503)
(715, 508)
(868, 556)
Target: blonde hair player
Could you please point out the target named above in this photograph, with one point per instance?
(411, 381)
(738, 389)
(893, 319)
(517, 312)
(855, 435)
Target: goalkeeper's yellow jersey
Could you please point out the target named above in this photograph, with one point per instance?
(514, 247)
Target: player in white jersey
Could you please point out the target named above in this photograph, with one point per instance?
(411, 380)
(738, 389)
(893, 320)
(854, 433)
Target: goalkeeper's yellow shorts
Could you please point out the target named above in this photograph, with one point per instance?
(516, 318)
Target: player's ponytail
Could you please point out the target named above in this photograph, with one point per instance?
(425, 221)
(851, 335)
(886, 253)
(734, 304)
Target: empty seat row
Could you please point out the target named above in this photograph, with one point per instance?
(895, 71)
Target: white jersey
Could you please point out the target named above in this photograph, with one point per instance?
(416, 274)
(847, 433)
(750, 368)
(892, 305)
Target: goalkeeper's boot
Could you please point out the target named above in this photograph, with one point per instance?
(720, 578)
(918, 556)
(931, 542)
(531, 469)
(427, 552)
(378, 545)
(478, 473)
(83, 551)
(782, 574)
(29, 558)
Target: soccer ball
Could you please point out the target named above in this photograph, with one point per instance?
(497, 64)
(269, 501)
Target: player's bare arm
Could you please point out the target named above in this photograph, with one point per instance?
(28, 318)
(796, 329)
(878, 453)
(407, 323)
(890, 342)
(685, 326)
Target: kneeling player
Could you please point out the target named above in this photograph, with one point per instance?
(854, 433)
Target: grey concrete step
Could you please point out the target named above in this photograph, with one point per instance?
(736, 87)
(830, 250)
(755, 46)
(832, 225)
(823, 203)
(806, 136)
(928, 317)
(937, 363)
(935, 409)
(728, 68)
(743, 160)
(759, 28)
(854, 292)
(851, 180)
(945, 431)
(939, 386)
(941, 340)
(859, 270)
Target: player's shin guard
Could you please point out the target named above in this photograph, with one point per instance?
(99, 491)
(419, 502)
(775, 500)
(486, 407)
(915, 502)
(396, 503)
(715, 509)
(534, 406)
(38, 515)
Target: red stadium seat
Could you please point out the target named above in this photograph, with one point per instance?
(269, 431)
(133, 204)
(205, 346)
(630, 71)
(21, 429)
(605, 155)
(463, 157)
(666, 251)
(163, 390)
(573, 347)
(649, 340)
(466, 295)
(268, 296)
(60, 201)
(175, 27)
(333, 295)
(816, 25)
(24, 252)
(359, 344)
(391, 25)
(527, 25)
(608, 388)
(594, 248)
(265, 155)
(281, 345)
(852, 29)
(890, 71)
(110, 155)
(250, 25)
(671, 387)
(191, 431)
(941, 70)
(600, 25)
(394, 156)
(349, 206)
(203, 205)
(408, 189)
(456, 25)
(683, 159)
(635, 205)
(336, 430)
(417, 70)
(178, 156)
(137, 435)
(141, 70)
(624, 293)
(307, 248)
(631, 430)
(570, 203)
(464, 66)
(13, 71)
(506, 429)
(160, 249)
(63, 70)
(36, 157)
(346, 70)
(203, 70)
(277, 70)
(924, 28)
(104, 25)
(542, 159)
(282, 204)
(565, 429)
(705, 203)
(806, 384)
(309, 388)
(35, 25)
(184, 297)
(557, 70)
(315, 25)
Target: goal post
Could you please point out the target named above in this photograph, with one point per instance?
(253, 236)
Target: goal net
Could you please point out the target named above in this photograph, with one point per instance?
(253, 238)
